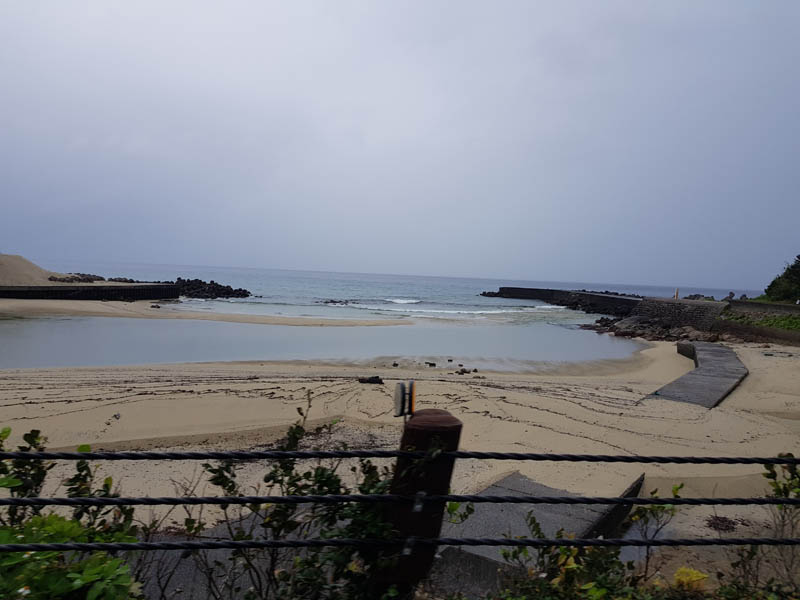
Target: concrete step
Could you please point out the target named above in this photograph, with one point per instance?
(476, 571)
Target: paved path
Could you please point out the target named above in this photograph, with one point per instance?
(718, 372)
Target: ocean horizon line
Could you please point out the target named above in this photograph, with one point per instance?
(537, 282)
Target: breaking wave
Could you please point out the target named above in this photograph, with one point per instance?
(533, 309)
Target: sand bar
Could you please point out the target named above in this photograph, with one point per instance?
(15, 308)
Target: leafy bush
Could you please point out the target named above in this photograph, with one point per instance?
(318, 573)
(69, 575)
(46, 575)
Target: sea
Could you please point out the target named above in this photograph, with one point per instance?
(449, 321)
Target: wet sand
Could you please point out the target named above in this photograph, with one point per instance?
(14, 308)
(594, 407)
(572, 409)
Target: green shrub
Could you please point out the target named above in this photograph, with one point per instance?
(68, 575)
(565, 573)
(789, 322)
(318, 573)
(555, 573)
(46, 575)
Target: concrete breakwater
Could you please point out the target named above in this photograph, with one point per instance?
(699, 314)
(91, 292)
(591, 302)
(668, 313)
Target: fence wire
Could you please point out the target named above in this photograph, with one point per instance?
(420, 499)
(404, 543)
(395, 498)
(308, 454)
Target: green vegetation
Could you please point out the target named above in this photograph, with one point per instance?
(317, 573)
(248, 574)
(786, 286)
(558, 573)
(790, 322)
(57, 574)
(45, 575)
(781, 322)
(755, 573)
(764, 299)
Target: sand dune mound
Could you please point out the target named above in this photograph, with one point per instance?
(16, 270)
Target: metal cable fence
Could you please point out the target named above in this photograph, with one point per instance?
(418, 500)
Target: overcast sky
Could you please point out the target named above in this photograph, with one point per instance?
(632, 142)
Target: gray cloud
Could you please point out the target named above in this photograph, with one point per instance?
(617, 141)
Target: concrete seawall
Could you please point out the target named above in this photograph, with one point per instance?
(606, 304)
(699, 314)
(91, 292)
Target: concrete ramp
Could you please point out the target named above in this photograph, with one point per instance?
(718, 371)
(478, 570)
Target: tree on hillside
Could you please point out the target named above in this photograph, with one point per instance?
(787, 285)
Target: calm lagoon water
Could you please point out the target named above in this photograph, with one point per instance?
(63, 342)
(450, 319)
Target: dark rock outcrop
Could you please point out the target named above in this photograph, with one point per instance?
(197, 288)
(649, 329)
(76, 278)
(191, 288)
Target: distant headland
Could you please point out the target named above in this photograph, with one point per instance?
(21, 278)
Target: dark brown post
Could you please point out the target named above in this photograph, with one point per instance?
(427, 429)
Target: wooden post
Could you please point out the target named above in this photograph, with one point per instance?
(427, 429)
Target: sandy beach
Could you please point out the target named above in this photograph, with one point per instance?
(11, 308)
(583, 408)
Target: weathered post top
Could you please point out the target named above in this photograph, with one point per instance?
(427, 429)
